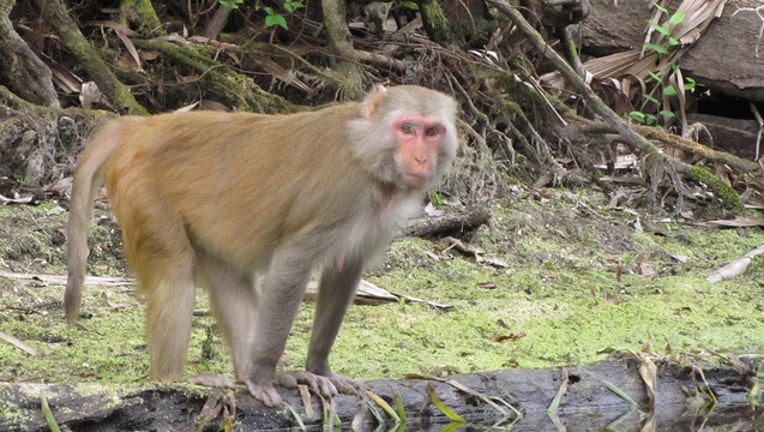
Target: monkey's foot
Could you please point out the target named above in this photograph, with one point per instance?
(326, 386)
(264, 393)
(345, 384)
(268, 395)
(212, 380)
(319, 384)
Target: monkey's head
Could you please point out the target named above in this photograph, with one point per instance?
(406, 135)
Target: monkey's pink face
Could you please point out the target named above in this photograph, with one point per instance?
(419, 138)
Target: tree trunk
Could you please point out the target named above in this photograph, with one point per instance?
(24, 72)
(594, 397)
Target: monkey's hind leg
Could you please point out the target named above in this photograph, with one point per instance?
(234, 302)
(163, 260)
(169, 315)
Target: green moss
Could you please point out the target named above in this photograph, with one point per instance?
(143, 15)
(729, 198)
(559, 295)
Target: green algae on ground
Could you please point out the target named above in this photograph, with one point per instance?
(580, 279)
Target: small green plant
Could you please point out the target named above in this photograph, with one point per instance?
(662, 49)
(676, 18)
(273, 18)
(437, 199)
(232, 4)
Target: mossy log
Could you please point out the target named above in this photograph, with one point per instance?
(606, 394)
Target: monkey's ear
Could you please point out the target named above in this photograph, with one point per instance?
(371, 102)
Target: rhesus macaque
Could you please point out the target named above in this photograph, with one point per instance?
(216, 199)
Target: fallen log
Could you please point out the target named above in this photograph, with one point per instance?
(625, 392)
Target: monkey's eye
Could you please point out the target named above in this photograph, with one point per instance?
(407, 129)
(431, 132)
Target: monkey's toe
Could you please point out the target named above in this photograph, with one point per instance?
(265, 394)
(319, 384)
(347, 385)
(212, 380)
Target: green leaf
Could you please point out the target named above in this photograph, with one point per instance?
(275, 19)
(384, 405)
(638, 116)
(678, 17)
(659, 28)
(673, 42)
(662, 9)
(655, 76)
(667, 114)
(290, 6)
(657, 48)
(690, 83)
(669, 91)
(453, 416)
(651, 99)
(650, 119)
(231, 4)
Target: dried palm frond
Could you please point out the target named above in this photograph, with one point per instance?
(632, 68)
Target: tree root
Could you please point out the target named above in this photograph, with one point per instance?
(55, 14)
(22, 69)
(239, 89)
(658, 166)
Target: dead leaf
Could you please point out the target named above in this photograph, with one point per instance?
(611, 299)
(647, 270)
(214, 106)
(109, 303)
(439, 370)
(511, 336)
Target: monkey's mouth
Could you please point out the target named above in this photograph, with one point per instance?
(414, 179)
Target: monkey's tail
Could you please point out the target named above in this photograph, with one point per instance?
(88, 177)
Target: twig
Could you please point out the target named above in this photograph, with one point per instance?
(735, 267)
(18, 344)
(757, 114)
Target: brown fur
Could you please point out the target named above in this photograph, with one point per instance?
(218, 198)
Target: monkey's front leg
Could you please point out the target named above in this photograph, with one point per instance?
(335, 293)
(278, 301)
